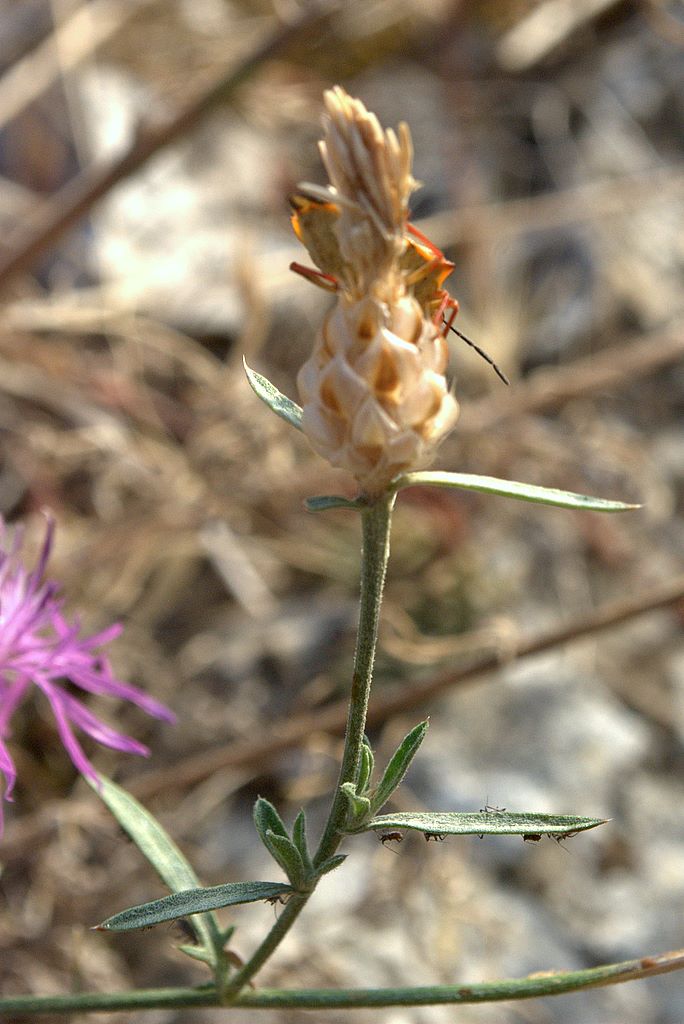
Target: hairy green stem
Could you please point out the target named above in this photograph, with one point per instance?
(545, 984)
(273, 939)
(376, 520)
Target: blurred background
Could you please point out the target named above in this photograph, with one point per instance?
(147, 150)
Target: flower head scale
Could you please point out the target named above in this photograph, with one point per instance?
(374, 396)
(38, 647)
(370, 175)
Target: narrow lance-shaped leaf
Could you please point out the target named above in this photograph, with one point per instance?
(159, 849)
(366, 768)
(398, 765)
(331, 863)
(323, 502)
(299, 839)
(267, 818)
(359, 806)
(192, 901)
(463, 823)
(147, 834)
(195, 952)
(279, 403)
(284, 851)
(511, 489)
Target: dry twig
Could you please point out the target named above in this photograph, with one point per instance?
(64, 49)
(332, 719)
(550, 388)
(51, 220)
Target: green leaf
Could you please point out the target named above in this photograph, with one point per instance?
(277, 841)
(330, 864)
(197, 953)
(299, 839)
(148, 835)
(279, 403)
(511, 489)
(192, 901)
(366, 768)
(267, 818)
(159, 849)
(325, 501)
(398, 766)
(359, 806)
(284, 851)
(464, 823)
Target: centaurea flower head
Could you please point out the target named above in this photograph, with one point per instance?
(39, 647)
(374, 396)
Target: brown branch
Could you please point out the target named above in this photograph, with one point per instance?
(332, 719)
(545, 29)
(30, 831)
(69, 45)
(589, 201)
(549, 388)
(63, 210)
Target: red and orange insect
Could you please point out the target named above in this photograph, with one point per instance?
(426, 266)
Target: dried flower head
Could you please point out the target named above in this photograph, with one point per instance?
(374, 396)
(38, 647)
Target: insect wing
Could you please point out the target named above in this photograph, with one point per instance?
(428, 269)
(313, 222)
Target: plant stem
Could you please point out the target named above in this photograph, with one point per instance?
(376, 522)
(273, 939)
(552, 983)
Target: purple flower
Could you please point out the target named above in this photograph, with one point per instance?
(39, 647)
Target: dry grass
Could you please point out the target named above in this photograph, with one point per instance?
(178, 497)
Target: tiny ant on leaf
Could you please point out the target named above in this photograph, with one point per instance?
(391, 837)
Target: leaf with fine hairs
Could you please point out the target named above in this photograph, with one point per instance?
(511, 489)
(277, 402)
(192, 901)
(159, 849)
(494, 822)
(398, 765)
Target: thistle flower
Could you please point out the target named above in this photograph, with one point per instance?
(374, 397)
(39, 647)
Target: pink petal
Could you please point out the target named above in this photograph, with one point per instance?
(8, 770)
(9, 701)
(71, 744)
(93, 726)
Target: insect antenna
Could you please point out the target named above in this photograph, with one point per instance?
(488, 359)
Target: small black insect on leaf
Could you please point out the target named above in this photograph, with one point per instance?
(391, 837)
(437, 837)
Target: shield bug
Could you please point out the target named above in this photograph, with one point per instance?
(426, 267)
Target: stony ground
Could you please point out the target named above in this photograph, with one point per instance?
(550, 153)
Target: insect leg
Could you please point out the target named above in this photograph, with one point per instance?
(317, 277)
